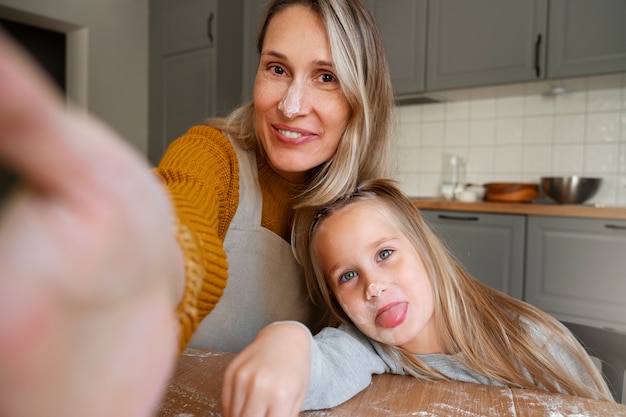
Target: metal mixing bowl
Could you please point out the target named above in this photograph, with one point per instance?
(570, 190)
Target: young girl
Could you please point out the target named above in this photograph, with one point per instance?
(407, 307)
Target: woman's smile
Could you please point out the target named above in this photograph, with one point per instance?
(293, 136)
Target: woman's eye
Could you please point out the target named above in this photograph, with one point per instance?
(347, 276)
(328, 80)
(276, 69)
(384, 254)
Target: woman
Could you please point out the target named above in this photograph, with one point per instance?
(90, 269)
(306, 137)
(406, 307)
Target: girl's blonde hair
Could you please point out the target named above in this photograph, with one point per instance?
(488, 331)
(359, 59)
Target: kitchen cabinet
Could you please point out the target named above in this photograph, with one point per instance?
(489, 246)
(188, 39)
(464, 44)
(402, 24)
(187, 24)
(483, 42)
(576, 270)
(586, 37)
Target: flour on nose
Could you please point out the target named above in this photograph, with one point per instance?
(373, 291)
(290, 105)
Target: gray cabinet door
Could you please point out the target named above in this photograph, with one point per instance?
(186, 24)
(586, 37)
(485, 42)
(187, 91)
(489, 246)
(188, 38)
(402, 24)
(576, 269)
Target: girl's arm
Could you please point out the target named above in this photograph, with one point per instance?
(270, 377)
(285, 370)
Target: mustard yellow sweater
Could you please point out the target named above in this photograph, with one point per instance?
(201, 173)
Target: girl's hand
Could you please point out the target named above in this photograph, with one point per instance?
(88, 262)
(271, 376)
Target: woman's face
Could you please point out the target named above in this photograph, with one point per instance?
(377, 277)
(301, 111)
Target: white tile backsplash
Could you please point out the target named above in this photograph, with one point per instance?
(573, 102)
(601, 159)
(537, 129)
(432, 134)
(508, 160)
(538, 105)
(569, 128)
(482, 109)
(456, 133)
(482, 132)
(603, 127)
(510, 106)
(520, 133)
(509, 131)
(604, 100)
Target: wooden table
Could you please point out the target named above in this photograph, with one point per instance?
(195, 391)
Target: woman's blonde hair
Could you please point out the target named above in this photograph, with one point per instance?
(359, 60)
(488, 331)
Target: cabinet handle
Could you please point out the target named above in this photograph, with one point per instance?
(537, 50)
(209, 27)
(461, 218)
(615, 227)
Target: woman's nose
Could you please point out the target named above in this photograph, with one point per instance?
(375, 289)
(292, 103)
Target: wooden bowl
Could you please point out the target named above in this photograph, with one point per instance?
(511, 192)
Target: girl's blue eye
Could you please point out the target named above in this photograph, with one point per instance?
(384, 254)
(347, 276)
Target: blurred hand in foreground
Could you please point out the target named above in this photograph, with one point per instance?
(88, 261)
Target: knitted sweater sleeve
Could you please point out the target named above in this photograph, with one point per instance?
(201, 174)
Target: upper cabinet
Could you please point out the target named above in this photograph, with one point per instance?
(195, 65)
(402, 24)
(434, 45)
(586, 37)
(482, 42)
(187, 24)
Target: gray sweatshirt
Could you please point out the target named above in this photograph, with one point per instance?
(343, 361)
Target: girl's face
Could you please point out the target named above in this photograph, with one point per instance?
(301, 111)
(377, 277)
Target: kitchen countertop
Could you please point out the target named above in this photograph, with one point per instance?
(195, 390)
(538, 209)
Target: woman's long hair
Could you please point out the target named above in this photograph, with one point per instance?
(488, 331)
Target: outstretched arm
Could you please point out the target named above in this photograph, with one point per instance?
(90, 273)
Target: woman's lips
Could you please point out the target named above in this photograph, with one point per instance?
(292, 136)
(392, 315)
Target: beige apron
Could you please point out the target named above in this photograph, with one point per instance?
(265, 283)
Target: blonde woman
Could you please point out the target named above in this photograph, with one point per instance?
(406, 307)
